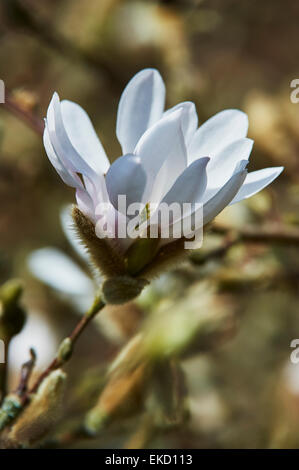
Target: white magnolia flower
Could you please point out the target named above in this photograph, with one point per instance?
(165, 156)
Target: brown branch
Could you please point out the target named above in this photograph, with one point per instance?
(27, 117)
(278, 235)
(22, 17)
(3, 372)
(61, 358)
(275, 236)
(26, 371)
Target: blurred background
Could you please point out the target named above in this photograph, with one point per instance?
(240, 387)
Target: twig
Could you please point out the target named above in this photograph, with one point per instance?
(30, 119)
(218, 253)
(63, 356)
(277, 236)
(26, 371)
(3, 372)
(143, 434)
(22, 17)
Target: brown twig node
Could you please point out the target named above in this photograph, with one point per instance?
(33, 121)
(26, 372)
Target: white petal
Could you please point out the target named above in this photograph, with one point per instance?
(96, 188)
(190, 224)
(57, 270)
(85, 203)
(218, 132)
(67, 224)
(188, 189)
(68, 177)
(221, 167)
(190, 185)
(83, 136)
(224, 196)
(163, 141)
(61, 143)
(126, 176)
(256, 181)
(38, 333)
(140, 106)
(189, 118)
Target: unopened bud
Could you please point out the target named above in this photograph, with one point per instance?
(12, 315)
(167, 399)
(40, 415)
(10, 408)
(120, 397)
(65, 350)
(127, 378)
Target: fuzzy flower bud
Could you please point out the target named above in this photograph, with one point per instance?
(12, 315)
(40, 415)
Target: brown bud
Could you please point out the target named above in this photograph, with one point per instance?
(167, 399)
(123, 393)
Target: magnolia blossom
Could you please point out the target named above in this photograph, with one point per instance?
(165, 158)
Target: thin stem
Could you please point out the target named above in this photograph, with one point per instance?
(59, 360)
(26, 372)
(3, 372)
(275, 236)
(24, 19)
(30, 119)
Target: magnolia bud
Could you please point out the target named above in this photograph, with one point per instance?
(10, 408)
(40, 415)
(12, 316)
(65, 350)
(122, 395)
(167, 400)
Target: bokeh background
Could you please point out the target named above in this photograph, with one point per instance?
(240, 387)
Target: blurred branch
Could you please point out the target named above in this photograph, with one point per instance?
(143, 434)
(3, 372)
(66, 348)
(15, 402)
(276, 236)
(26, 116)
(236, 284)
(22, 17)
(26, 371)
